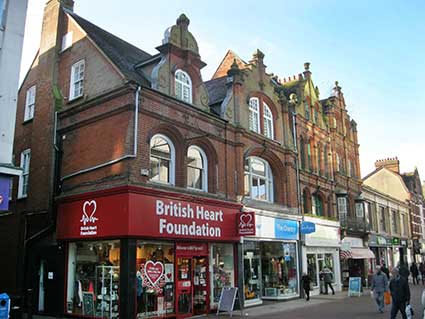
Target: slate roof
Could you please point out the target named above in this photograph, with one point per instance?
(216, 90)
(123, 54)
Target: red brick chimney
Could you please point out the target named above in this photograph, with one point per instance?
(393, 164)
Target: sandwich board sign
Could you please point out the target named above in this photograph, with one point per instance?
(227, 300)
(355, 287)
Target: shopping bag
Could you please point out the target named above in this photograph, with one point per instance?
(387, 298)
(372, 295)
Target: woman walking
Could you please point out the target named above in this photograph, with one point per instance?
(306, 280)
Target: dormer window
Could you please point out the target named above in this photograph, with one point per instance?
(183, 86)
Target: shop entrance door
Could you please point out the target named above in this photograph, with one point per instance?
(192, 286)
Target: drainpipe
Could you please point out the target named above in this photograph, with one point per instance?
(136, 123)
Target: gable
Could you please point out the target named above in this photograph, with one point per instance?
(389, 183)
(226, 63)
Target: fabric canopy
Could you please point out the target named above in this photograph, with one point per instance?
(361, 253)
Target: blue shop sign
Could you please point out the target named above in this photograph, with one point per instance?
(4, 192)
(286, 229)
(308, 227)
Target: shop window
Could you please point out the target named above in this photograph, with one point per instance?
(223, 269)
(162, 159)
(258, 179)
(312, 268)
(252, 271)
(279, 269)
(93, 279)
(155, 288)
(183, 86)
(197, 169)
(254, 115)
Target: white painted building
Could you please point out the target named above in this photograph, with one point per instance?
(12, 25)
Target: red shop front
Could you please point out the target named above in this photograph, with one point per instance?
(140, 253)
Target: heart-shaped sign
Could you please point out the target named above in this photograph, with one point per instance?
(89, 208)
(154, 271)
(245, 219)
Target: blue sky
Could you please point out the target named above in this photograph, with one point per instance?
(375, 49)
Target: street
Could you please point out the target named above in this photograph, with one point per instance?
(331, 307)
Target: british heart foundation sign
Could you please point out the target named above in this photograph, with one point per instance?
(246, 223)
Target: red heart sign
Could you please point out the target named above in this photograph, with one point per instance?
(245, 219)
(154, 271)
(89, 208)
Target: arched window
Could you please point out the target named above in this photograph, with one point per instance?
(162, 159)
(338, 162)
(268, 121)
(325, 158)
(302, 153)
(317, 205)
(254, 115)
(197, 166)
(309, 157)
(183, 86)
(258, 179)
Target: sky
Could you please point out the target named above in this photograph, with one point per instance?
(374, 49)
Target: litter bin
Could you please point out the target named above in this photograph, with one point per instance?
(4, 306)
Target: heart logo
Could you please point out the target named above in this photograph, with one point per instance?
(154, 271)
(245, 220)
(89, 208)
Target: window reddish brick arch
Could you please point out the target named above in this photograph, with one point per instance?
(277, 168)
(264, 99)
(212, 161)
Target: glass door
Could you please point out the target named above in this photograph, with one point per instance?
(184, 287)
(252, 273)
(200, 285)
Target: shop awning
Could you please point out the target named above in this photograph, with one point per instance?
(361, 253)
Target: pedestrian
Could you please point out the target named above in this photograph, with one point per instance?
(328, 278)
(379, 286)
(415, 273)
(422, 271)
(404, 271)
(400, 294)
(306, 280)
(385, 270)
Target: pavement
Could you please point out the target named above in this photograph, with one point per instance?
(338, 306)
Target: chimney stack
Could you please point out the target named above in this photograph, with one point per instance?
(393, 164)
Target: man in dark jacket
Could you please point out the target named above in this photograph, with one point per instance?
(404, 271)
(400, 294)
(306, 280)
(386, 271)
(415, 273)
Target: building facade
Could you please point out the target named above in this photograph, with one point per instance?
(12, 25)
(387, 210)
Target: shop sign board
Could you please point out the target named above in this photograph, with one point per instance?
(191, 249)
(307, 227)
(403, 242)
(4, 193)
(227, 299)
(285, 229)
(355, 286)
(136, 214)
(326, 236)
(354, 242)
(396, 241)
(246, 223)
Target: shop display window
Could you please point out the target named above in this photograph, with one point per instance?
(222, 261)
(279, 269)
(312, 268)
(155, 289)
(252, 270)
(93, 279)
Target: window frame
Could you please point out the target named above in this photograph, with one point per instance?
(67, 41)
(172, 160)
(307, 114)
(269, 189)
(268, 118)
(256, 114)
(204, 169)
(183, 86)
(73, 82)
(24, 177)
(30, 103)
